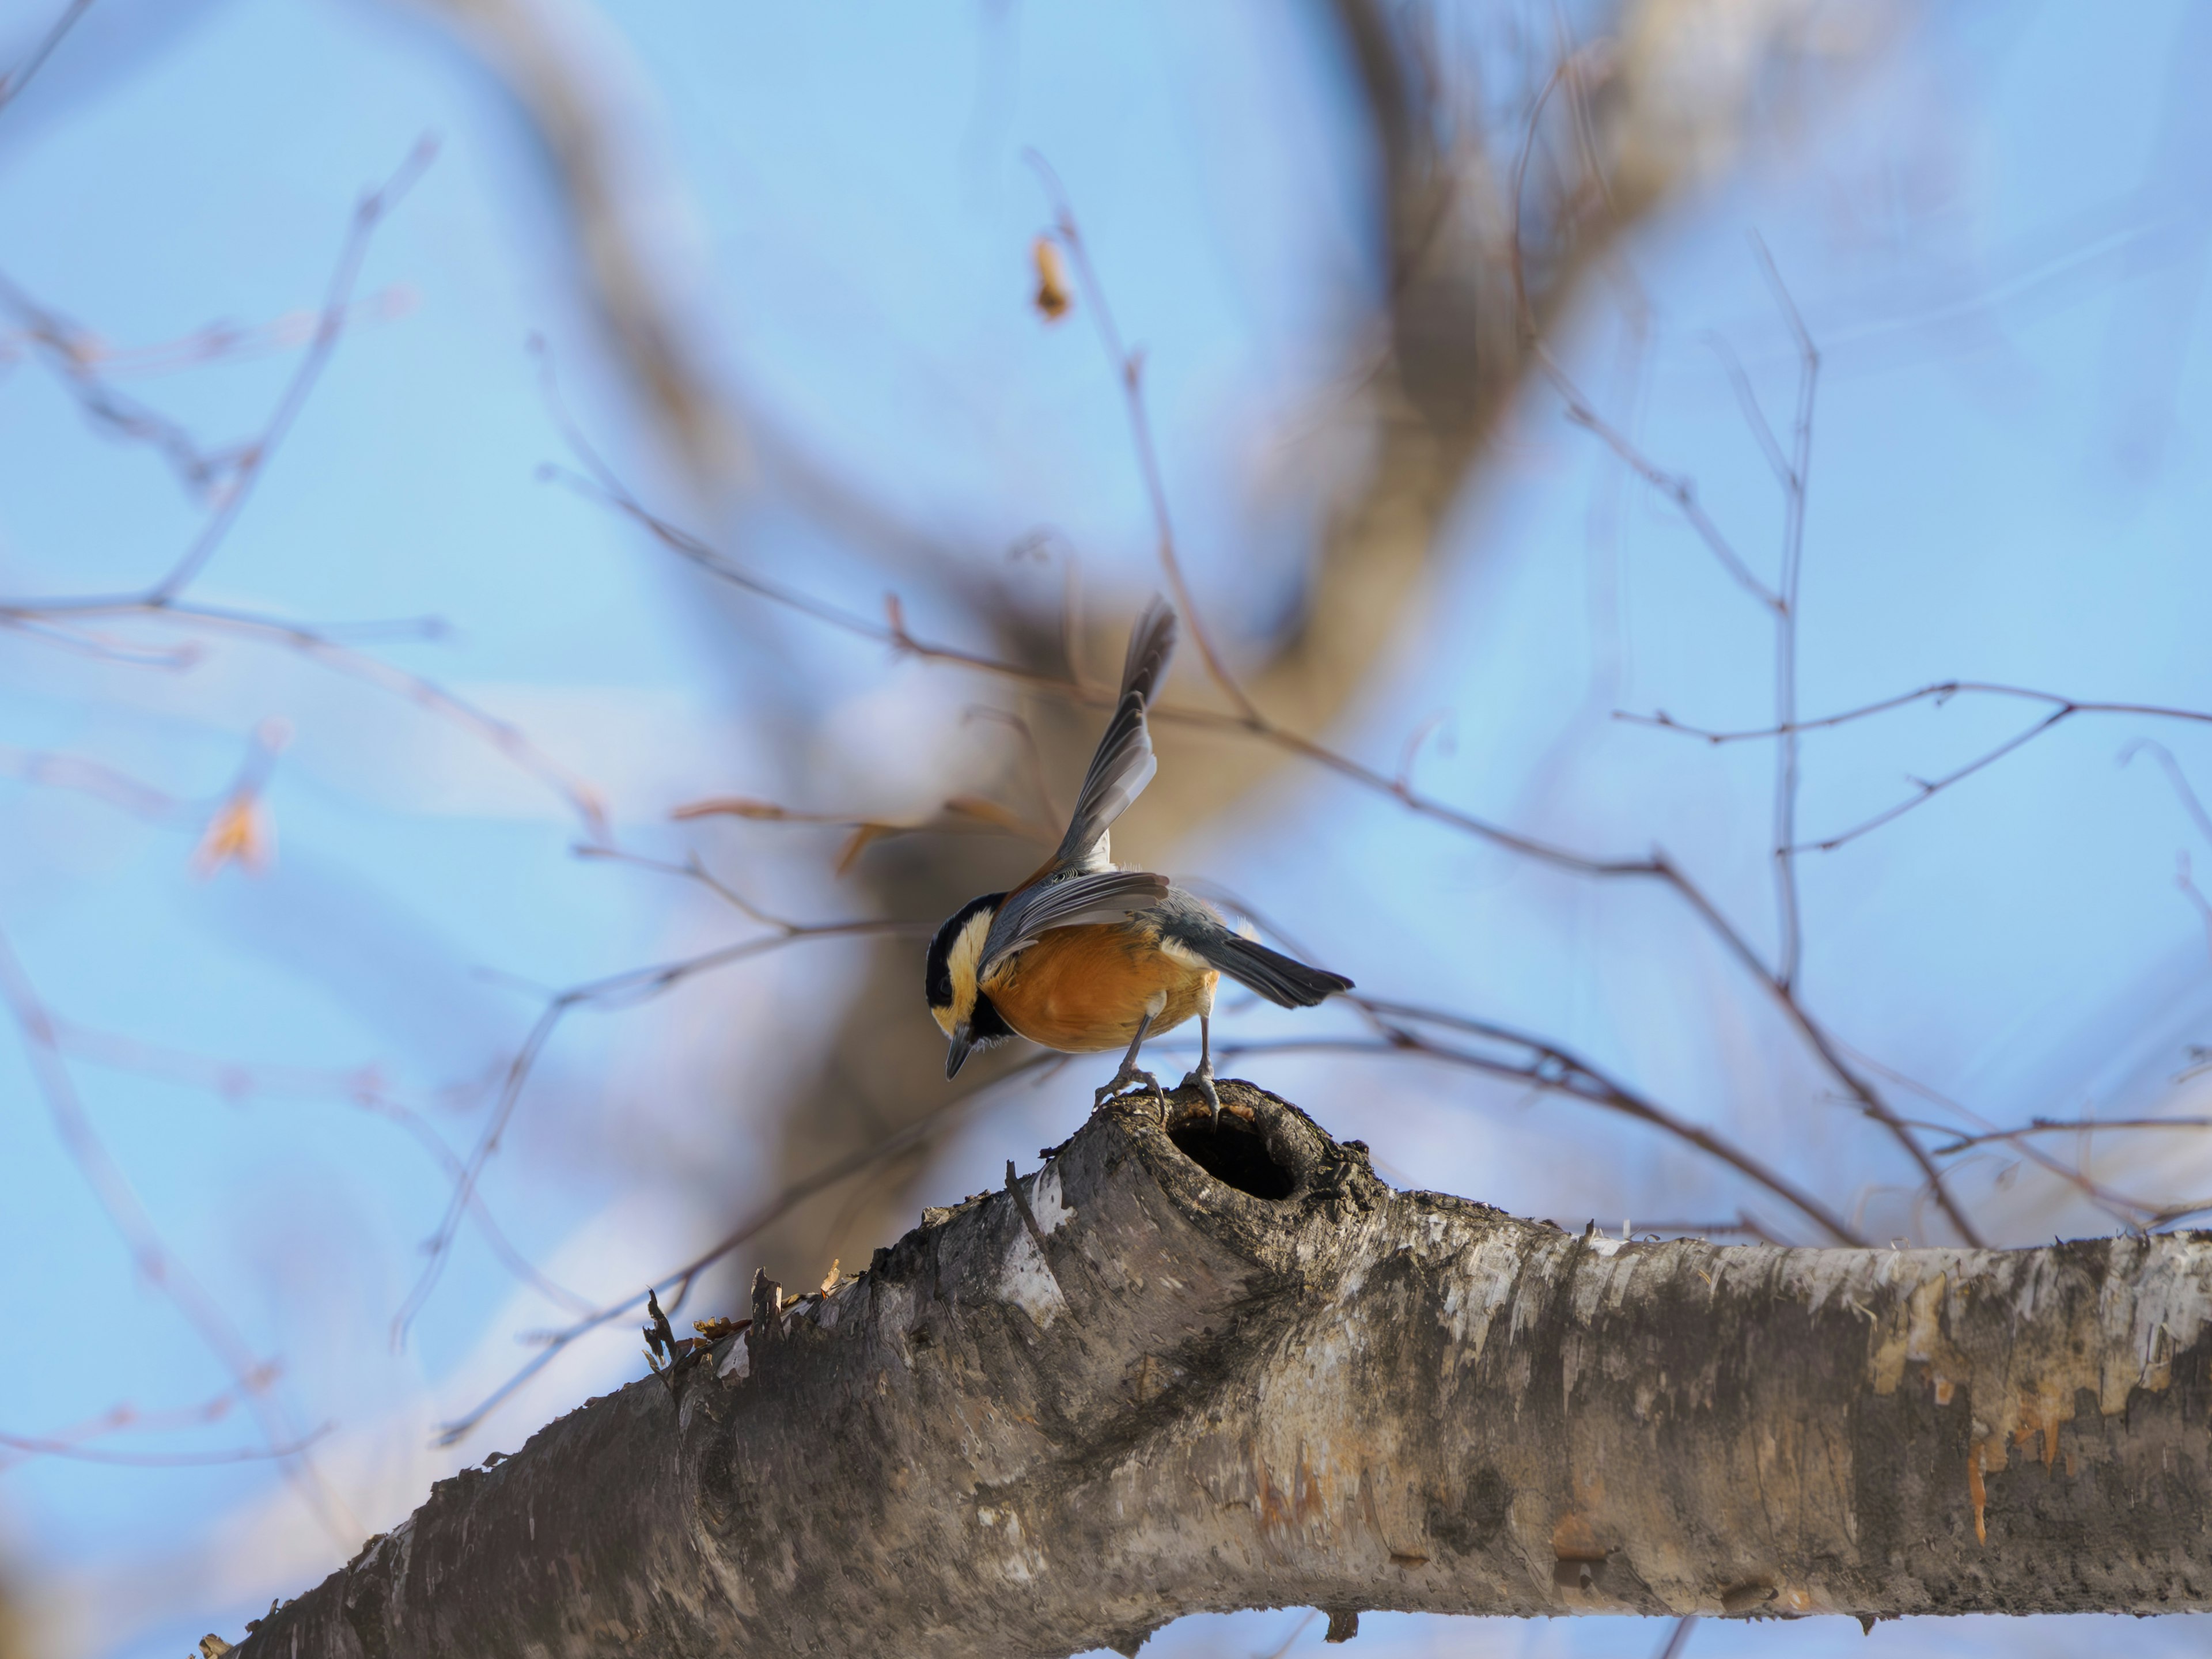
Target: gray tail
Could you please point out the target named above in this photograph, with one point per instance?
(1284, 981)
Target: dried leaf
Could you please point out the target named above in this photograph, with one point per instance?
(1051, 298)
(240, 830)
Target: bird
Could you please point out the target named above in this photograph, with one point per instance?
(1085, 957)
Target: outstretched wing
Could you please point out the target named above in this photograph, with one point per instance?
(1069, 901)
(1124, 764)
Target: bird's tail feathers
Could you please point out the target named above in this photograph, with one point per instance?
(1152, 643)
(1284, 981)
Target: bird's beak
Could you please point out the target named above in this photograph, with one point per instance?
(957, 1056)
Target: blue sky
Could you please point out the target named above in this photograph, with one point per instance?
(1996, 233)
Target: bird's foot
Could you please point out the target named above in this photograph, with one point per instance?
(1127, 1075)
(1203, 1077)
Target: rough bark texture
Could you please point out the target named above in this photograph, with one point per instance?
(1194, 1370)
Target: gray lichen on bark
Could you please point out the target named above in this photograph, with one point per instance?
(1224, 1368)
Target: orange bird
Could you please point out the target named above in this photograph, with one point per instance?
(1084, 958)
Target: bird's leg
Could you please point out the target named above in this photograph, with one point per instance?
(1204, 1075)
(1129, 1073)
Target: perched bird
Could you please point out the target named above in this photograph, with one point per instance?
(1084, 958)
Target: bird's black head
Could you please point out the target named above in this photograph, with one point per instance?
(956, 1001)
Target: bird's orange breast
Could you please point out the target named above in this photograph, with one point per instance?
(1082, 989)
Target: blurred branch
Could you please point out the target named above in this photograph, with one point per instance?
(82, 364)
(625, 989)
(56, 620)
(322, 644)
(928, 1126)
(73, 1443)
(2053, 1125)
(232, 483)
(360, 1087)
(1128, 368)
(570, 107)
(13, 83)
(152, 1258)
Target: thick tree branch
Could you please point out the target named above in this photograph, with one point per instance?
(1241, 1371)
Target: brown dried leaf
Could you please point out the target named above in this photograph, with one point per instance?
(240, 830)
(1052, 299)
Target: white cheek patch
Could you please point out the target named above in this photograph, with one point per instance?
(965, 959)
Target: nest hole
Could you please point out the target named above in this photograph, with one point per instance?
(1233, 1153)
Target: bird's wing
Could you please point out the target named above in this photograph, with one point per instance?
(1070, 900)
(1124, 764)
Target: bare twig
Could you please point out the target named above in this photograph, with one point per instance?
(30, 1446)
(362, 1087)
(624, 989)
(321, 644)
(13, 83)
(2054, 1125)
(1545, 1065)
(1678, 487)
(2175, 776)
(148, 1254)
(247, 468)
(1785, 629)
(937, 1121)
(2062, 708)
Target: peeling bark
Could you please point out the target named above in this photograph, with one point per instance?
(1215, 1369)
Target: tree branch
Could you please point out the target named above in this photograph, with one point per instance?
(1240, 1370)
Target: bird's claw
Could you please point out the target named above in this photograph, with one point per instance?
(1128, 1074)
(1203, 1077)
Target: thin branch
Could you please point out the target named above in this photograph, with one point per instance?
(320, 644)
(2175, 776)
(255, 457)
(1941, 691)
(1678, 487)
(938, 1120)
(30, 1446)
(65, 346)
(1754, 415)
(13, 83)
(362, 1087)
(624, 989)
(1549, 1068)
(49, 770)
(1785, 628)
(2062, 708)
(2053, 1126)
(148, 1254)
